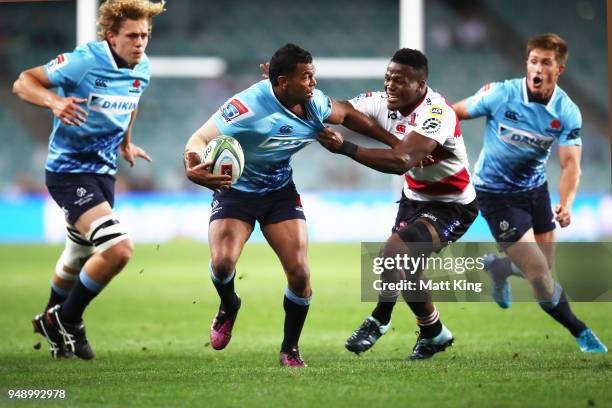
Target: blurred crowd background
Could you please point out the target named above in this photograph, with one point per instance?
(468, 43)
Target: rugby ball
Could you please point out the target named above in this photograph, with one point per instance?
(226, 156)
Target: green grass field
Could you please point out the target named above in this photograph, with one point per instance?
(150, 332)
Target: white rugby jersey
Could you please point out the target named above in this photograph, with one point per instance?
(448, 178)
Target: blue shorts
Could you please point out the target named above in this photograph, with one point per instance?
(510, 216)
(268, 208)
(76, 193)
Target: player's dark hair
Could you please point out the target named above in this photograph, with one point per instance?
(413, 58)
(285, 61)
(550, 42)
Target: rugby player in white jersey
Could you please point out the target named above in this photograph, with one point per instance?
(438, 199)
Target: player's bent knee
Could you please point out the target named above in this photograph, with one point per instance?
(223, 266)
(299, 270)
(298, 276)
(119, 254)
(534, 269)
(111, 240)
(76, 252)
(537, 277)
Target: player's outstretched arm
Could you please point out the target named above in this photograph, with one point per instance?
(343, 113)
(408, 153)
(33, 86)
(569, 159)
(195, 170)
(461, 110)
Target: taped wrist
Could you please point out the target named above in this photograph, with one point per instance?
(348, 149)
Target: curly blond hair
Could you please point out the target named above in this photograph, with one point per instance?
(114, 12)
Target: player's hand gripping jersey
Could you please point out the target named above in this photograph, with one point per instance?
(519, 135)
(448, 178)
(112, 94)
(269, 134)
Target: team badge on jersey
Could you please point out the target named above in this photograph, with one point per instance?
(285, 129)
(235, 110)
(57, 63)
(436, 110)
(135, 88)
(431, 125)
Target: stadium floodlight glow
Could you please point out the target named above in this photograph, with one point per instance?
(187, 67)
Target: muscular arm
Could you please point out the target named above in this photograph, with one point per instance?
(402, 157)
(198, 141)
(569, 159)
(195, 170)
(343, 113)
(33, 86)
(461, 110)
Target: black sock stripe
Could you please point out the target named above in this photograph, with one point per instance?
(105, 224)
(107, 238)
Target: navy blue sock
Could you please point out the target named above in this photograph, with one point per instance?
(57, 296)
(562, 313)
(83, 292)
(296, 309)
(225, 289)
(382, 312)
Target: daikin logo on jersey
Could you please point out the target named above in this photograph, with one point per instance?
(521, 137)
(119, 105)
(285, 141)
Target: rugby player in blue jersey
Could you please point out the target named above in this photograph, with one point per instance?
(525, 116)
(98, 87)
(272, 120)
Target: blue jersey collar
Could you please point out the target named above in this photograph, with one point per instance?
(109, 54)
(288, 111)
(526, 97)
(111, 58)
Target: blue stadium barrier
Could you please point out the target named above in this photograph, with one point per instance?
(332, 217)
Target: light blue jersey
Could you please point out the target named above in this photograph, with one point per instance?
(269, 134)
(519, 135)
(90, 72)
